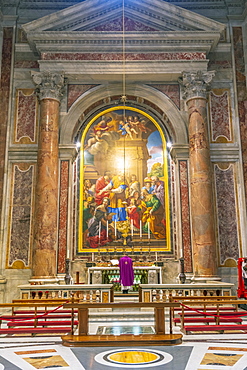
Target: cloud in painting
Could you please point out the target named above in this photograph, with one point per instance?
(155, 149)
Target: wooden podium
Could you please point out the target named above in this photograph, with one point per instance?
(160, 338)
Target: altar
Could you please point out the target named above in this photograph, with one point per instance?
(111, 275)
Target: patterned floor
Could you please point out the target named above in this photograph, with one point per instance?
(223, 352)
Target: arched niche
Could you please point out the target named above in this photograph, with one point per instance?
(90, 107)
(72, 121)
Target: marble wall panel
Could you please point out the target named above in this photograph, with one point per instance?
(220, 116)
(20, 234)
(226, 210)
(173, 209)
(172, 91)
(4, 98)
(185, 215)
(63, 215)
(241, 95)
(26, 117)
(75, 91)
(128, 56)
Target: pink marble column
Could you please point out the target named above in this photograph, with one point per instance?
(49, 90)
(202, 204)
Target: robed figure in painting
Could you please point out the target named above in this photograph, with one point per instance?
(152, 215)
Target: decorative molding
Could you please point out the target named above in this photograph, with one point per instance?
(48, 85)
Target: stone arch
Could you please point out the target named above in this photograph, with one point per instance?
(145, 96)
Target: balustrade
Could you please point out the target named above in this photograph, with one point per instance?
(163, 292)
(85, 293)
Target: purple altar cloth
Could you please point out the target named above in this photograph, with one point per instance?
(126, 271)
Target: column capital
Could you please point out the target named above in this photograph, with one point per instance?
(195, 84)
(49, 85)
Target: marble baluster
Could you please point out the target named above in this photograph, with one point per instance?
(202, 206)
(49, 88)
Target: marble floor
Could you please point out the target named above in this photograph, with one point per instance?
(197, 352)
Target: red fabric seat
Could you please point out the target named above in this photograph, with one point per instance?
(40, 323)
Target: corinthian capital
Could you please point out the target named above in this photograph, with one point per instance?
(48, 85)
(195, 84)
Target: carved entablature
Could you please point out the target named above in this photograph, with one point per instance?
(48, 85)
(195, 84)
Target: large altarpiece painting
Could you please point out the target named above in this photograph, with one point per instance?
(124, 188)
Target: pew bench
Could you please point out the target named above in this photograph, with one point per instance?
(207, 320)
(36, 323)
(187, 329)
(35, 330)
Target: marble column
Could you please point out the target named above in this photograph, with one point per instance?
(202, 205)
(49, 88)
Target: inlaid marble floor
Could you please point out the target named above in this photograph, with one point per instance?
(203, 353)
(197, 352)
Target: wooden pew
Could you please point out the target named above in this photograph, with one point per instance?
(44, 318)
(216, 306)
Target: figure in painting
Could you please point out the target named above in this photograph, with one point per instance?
(99, 226)
(101, 183)
(133, 213)
(152, 215)
(158, 188)
(117, 195)
(134, 185)
(148, 184)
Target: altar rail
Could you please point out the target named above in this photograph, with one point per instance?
(86, 293)
(163, 292)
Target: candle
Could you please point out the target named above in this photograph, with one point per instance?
(107, 228)
(132, 229)
(115, 228)
(148, 230)
(67, 253)
(99, 229)
(156, 256)
(92, 256)
(140, 229)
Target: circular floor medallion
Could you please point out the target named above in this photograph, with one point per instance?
(134, 357)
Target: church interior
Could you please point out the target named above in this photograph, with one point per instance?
(123, 184)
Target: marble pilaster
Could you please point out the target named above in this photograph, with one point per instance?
(49, 87)
(202, 209)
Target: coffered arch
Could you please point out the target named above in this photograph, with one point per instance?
(144, 96)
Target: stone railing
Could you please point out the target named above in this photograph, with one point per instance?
(86, 293)
(162, 292)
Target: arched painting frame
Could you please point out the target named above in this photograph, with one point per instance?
(124, 188)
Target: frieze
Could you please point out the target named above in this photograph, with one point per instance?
(128, 56)
(48, 85)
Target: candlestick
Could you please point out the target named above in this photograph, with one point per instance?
(99, 229)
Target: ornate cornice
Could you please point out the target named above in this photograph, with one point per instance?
(195, 84)
(48, 85)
